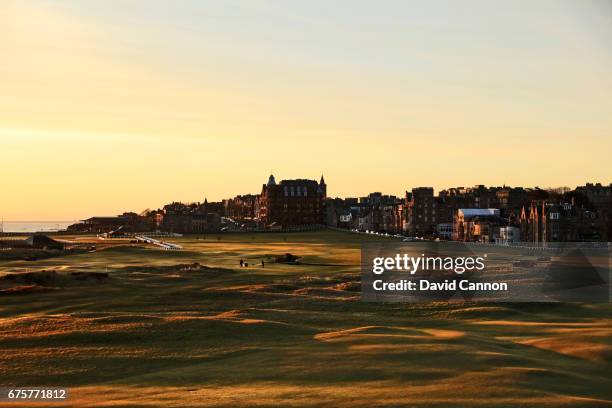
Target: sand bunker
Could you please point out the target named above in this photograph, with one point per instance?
(372, 332)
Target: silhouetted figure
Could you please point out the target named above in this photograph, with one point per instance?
(263, 264)
(241, 263)
(246, 264)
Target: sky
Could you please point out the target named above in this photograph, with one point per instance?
(112, 106)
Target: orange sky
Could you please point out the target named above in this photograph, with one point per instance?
(106, 107)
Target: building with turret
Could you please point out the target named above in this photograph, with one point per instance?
(292, 203)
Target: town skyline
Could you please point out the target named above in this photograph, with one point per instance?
(109, 106)
(255, 191)
(480, 213)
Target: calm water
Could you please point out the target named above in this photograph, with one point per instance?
(35, 226)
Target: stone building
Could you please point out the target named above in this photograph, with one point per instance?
(292, 203)
(178, 217)
(241, 207)
(421, 212)
(477, 224)
(546, 221)
(192, 218)
(598, 195)
(127, 222)
(205, 222)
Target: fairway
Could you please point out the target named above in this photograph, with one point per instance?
(192, 328)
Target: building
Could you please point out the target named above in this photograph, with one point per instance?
(550, 221)
(509, 198)
(530, 223)
(241, 207)
(217, 207)
(126, 222)
(477, 224)
(374, 212)
(444, 230)
(381, 213)
(192, 218)
(205, 222)
(598, 195)
(509, 234)
(178, 217)
(292, 203)
(421, 212)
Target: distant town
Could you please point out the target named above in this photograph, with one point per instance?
(476, 214)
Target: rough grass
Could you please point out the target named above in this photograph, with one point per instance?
(159, 332)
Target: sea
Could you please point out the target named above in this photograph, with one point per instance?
(34, 226)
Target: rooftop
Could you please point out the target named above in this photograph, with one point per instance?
(479, 212)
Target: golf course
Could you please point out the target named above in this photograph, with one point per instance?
(137, 326)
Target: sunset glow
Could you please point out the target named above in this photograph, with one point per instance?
(136, 104)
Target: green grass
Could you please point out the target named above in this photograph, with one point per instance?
(153, 335)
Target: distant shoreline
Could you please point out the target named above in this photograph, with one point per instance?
(34, 226)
